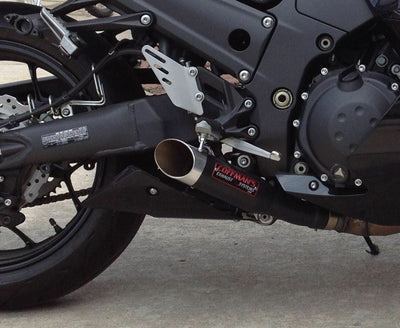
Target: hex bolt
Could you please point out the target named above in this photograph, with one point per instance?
(66, 111)
(395, 69)
(297, 154)
(324, 178)
(2, 178)
(145, 19)
(252, 132)
(358, 182)
(268, 22)
(199, 96)
(395, 87)
(324, 71)
(244, 76)
(382, 61)
(153, 191)
(193, 71)
(8, 202)
(249, 103)
(304, 96)
(362, 68)
(296, 123)
(314, 185)
(244, 161)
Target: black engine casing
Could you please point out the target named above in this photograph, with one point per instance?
(343, 109)
(350, 120)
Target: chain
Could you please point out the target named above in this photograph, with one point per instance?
(58, 198)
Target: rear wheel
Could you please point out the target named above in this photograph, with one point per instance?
(61, 245)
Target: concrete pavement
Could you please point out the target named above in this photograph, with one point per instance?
(186, 273)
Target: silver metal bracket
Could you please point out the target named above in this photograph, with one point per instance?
(100, 92)
(60, 31)
(251, 149)
(178, 81)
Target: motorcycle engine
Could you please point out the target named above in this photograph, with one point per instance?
(340, 133)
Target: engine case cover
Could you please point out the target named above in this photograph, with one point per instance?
(342, 111)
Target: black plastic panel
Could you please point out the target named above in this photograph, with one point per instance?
(343, 14)
(205, 27)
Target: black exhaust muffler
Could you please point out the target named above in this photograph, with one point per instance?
(126, 127)
(183, 162)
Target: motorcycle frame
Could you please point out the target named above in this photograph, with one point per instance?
(269, 58)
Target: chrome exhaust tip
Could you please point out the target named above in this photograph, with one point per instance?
(180, 161)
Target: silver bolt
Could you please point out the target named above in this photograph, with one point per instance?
(8, 202)
(362, 68)
(324, 178)
(396, 69)
(268, 22)
(244, 161)
(252, 132)
(244, 76)
(304, 96)
(66, 112)
(382, 61)
(296, 123)
(199, 96)
(193, 71)
(2, 178)
(297, 154)
(358, 182)
(145, 19)
(249, 103)
(153, 191)
(324, 71)
(395, 87)
(314, 185)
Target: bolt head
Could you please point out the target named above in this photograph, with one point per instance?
(244, 161)
(395, 87)
(268, 22)
(199, 96)
(66, 112)
(297, 154)
(296, 123)
(193, 71)
(249, 103)
(244, 76)
(324, 178)
(145, 19)
(382, 61)
(396, 69)
(2, 178)
(153, 191)
(252, 132)
(304, 96)
(324, 71)
(358, 182)
(314, 185)
(8, 202)
(362, 68)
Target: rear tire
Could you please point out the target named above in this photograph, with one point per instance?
(96, 238)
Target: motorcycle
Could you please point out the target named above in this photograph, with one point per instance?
(282, 110)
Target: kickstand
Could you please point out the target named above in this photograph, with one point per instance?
(373, 249)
